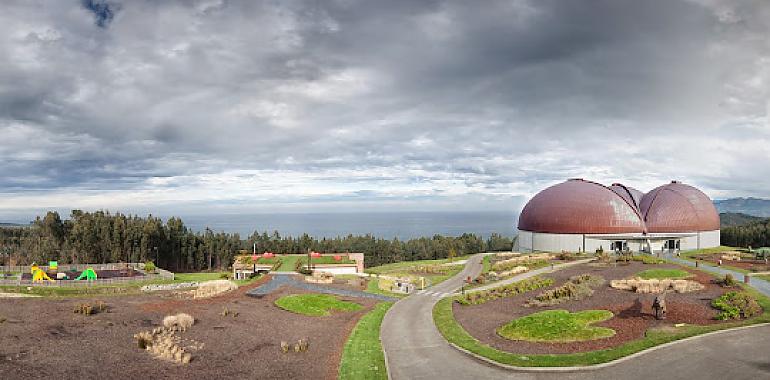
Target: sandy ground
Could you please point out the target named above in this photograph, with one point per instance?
(633, 312)
(43, 338)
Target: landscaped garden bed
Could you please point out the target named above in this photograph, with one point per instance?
(509, 328)
(236, 332)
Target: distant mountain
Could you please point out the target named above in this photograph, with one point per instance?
(749, 206)
(11, 225)
(730, 219)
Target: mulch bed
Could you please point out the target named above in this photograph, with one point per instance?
(43, 338)
(755, 265)
(633, 312)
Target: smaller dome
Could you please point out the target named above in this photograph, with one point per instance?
(677, 207)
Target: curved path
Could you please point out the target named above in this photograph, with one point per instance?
(289, 279)
(416, 350)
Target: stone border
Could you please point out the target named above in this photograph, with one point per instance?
(599, 366)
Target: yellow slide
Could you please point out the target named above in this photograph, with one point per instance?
(39, 275)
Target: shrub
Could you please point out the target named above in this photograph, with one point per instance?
(728, 281)
(87, 309)
(577, 288)
(531, 264)
(510, 290)
(180, 322)
(647, 259)
(149, 267)
(225, 275)
(736, 305)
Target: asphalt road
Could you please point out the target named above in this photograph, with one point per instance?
(416, 350)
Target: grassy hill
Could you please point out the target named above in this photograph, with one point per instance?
(730, 219)
(750, 206)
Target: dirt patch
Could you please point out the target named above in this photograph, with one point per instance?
(633, 312)
(49, 338)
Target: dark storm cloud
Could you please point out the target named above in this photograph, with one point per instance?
(103, 11)
(348, 98)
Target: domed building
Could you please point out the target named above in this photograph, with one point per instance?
(579, 215)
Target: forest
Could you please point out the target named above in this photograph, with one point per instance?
(101, 237)
(753, 234)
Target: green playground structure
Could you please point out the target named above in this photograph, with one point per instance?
(89, 274)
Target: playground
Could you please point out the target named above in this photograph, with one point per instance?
(54, 274)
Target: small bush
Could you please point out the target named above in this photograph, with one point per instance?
(149, 267)
(728, 281)
(647, 259)
(510, 290)
(85, 309)
(736, 305)
(225, 275)
(577, 288)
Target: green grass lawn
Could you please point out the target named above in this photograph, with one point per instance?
(454, 333)
(315, 305)
(288, 263)
(362, 357)
(558, 326)
(765, 277)
(408, 268)
(198, 276)
(663, 273)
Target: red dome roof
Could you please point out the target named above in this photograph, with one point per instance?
(631, 195)
(577, 207)
(677, 207)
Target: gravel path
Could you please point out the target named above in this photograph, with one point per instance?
(288, 279)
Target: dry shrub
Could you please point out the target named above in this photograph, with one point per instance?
(180, 322)
(213, 288)
(656, 286)
(163, 343)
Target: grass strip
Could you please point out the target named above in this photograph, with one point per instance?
(362, 357)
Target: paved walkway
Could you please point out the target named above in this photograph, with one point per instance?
(416, 350)
(290, 279)
(757, 283)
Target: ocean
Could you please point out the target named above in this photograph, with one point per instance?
(403, 225)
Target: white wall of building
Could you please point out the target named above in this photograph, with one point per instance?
(338, 269)
(545, 242)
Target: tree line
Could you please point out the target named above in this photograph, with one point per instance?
(101, 237)
(753, 234)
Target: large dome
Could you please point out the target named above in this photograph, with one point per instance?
(677, 207)
(580, 207)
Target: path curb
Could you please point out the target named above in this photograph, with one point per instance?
(595, 367)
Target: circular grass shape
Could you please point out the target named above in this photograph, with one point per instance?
(315, 305)
(558, 326)
(650, 274)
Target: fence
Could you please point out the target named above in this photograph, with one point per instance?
(160, 274)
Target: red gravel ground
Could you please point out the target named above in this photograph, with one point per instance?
(633, 312)
(43, 338)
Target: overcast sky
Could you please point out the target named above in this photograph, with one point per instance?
(250, 106)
